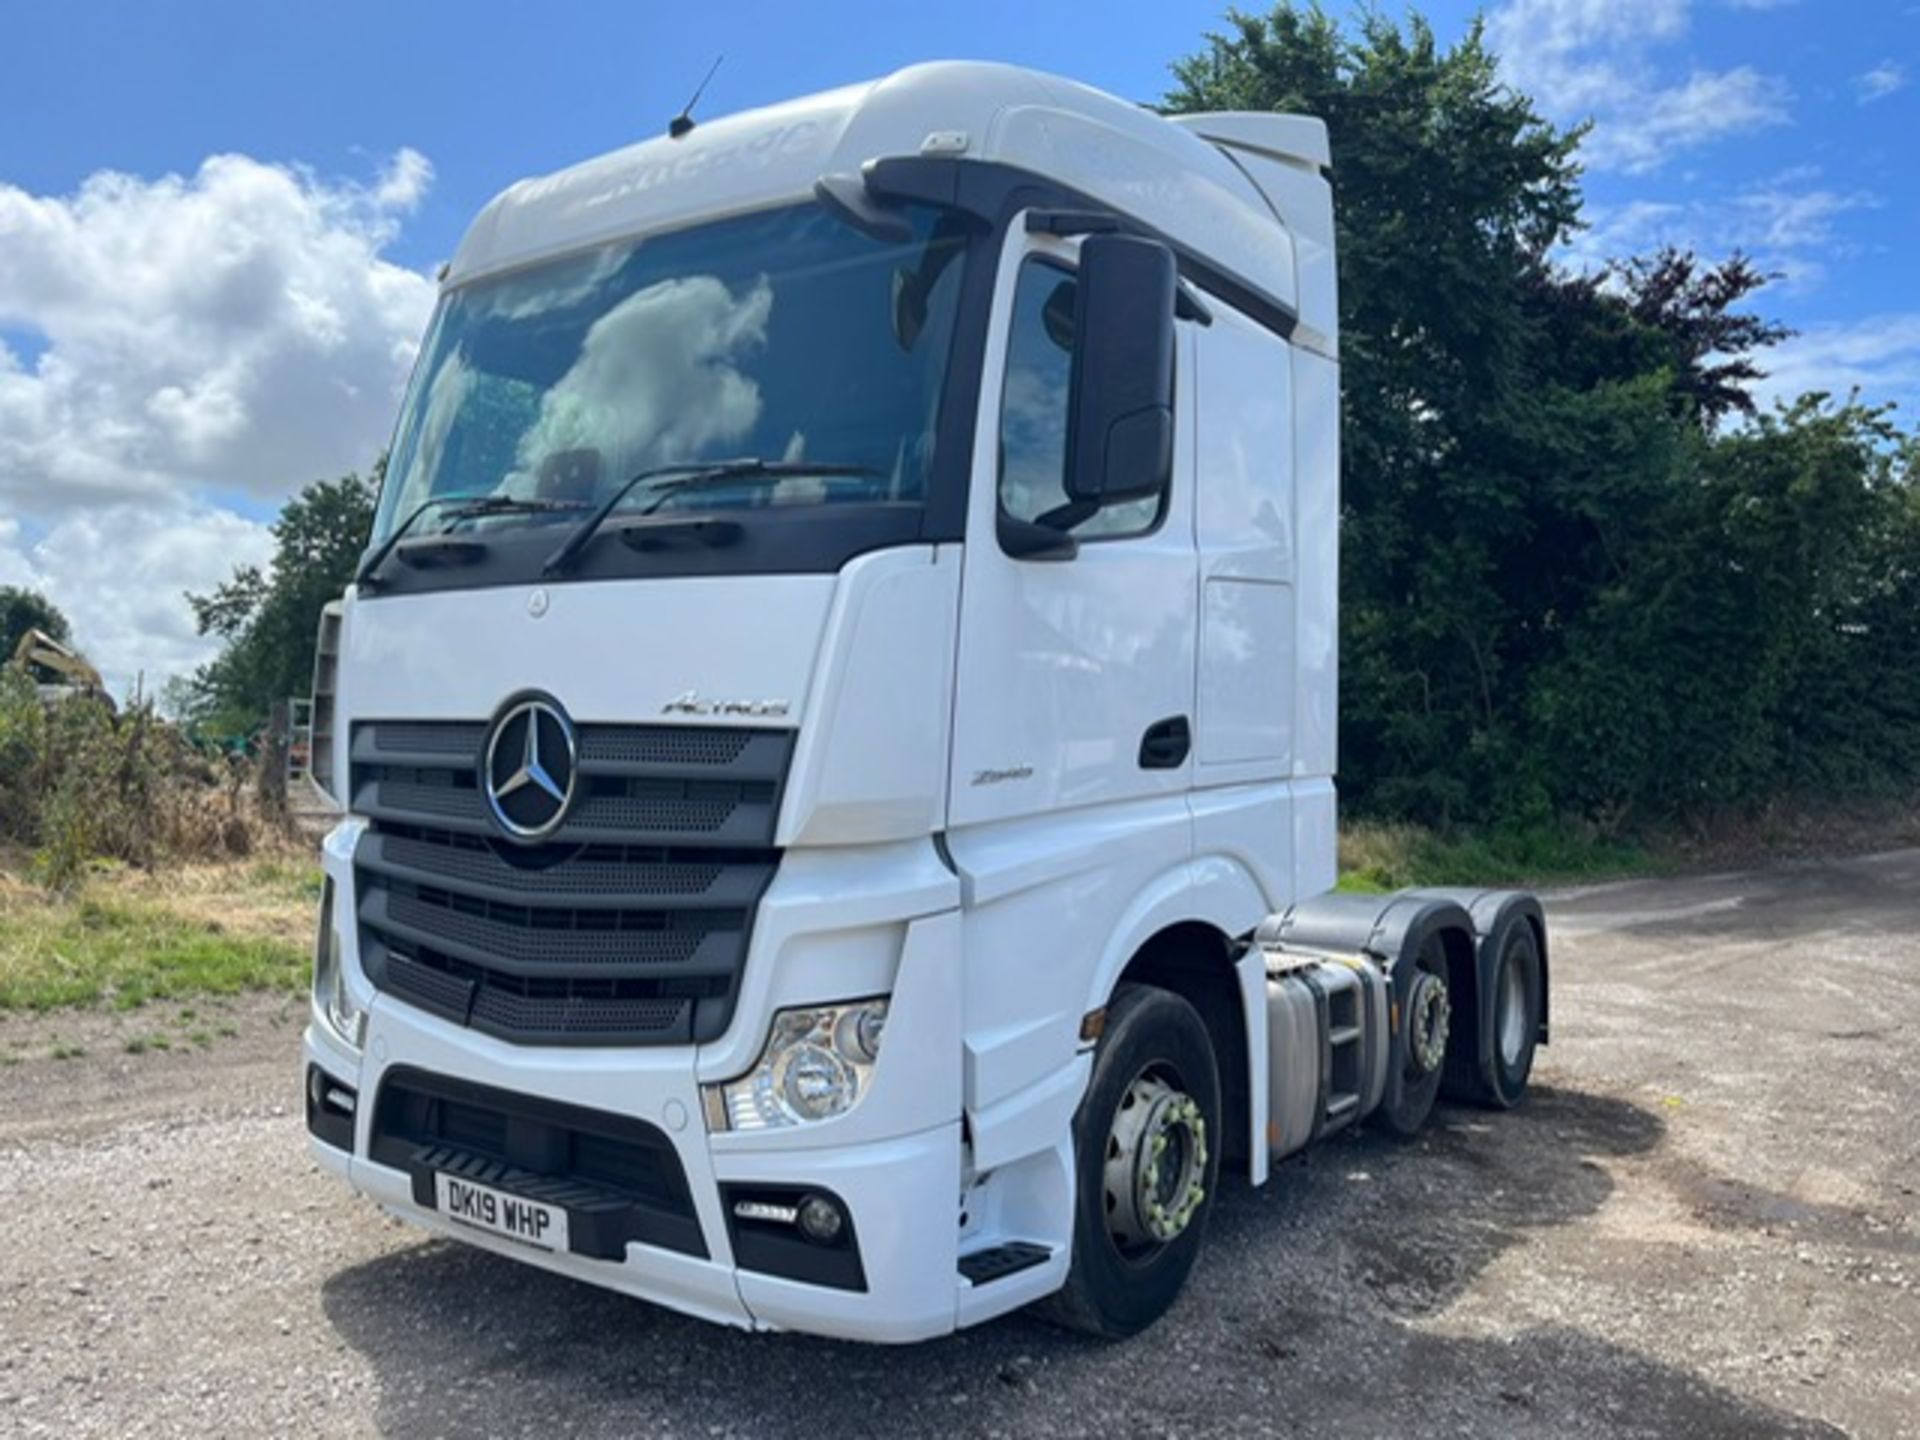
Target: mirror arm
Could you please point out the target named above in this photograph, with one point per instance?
(1024, 540)
(847, 199)
(1187, 305)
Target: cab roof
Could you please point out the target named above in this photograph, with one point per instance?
(1171, 176)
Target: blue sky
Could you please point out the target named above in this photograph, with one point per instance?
(217, 220)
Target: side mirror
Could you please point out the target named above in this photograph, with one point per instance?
(1120, 396)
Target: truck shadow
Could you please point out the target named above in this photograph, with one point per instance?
(1306, 1315)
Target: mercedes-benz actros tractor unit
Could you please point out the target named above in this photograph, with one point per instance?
(835, 724)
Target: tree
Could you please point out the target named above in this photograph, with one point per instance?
(1765, 640)
(1569, 584)
(1712, 344)
(270, 619)
(1450, 192)
(22, 610)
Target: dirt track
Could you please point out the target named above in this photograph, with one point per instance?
(1705, 1221)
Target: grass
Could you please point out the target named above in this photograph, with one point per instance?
(1376, 857)
(124, 938)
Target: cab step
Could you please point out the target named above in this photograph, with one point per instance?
(996, 1262)
(1339, 1107)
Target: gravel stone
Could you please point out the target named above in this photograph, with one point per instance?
(1702, 1222)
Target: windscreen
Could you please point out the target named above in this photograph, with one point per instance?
(784, 335)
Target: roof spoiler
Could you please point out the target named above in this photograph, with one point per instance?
(1292, 139)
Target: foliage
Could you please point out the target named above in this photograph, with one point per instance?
(78, 783)
(22, 610)
(1571, 585)
(1689, 306)
(1380, 856)
(269, 620)
(1765, 639)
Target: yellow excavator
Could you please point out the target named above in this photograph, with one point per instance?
(56, 669)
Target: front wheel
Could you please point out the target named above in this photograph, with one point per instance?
(1147, 1158)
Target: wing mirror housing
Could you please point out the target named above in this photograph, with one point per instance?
(1120, 395)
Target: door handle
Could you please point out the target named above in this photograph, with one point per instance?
(1166, 743)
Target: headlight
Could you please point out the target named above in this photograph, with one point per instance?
(816, 1065)
(332, 1001)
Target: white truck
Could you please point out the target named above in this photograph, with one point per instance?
(836, 725)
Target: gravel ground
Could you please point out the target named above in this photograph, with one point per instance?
(1703, 1222)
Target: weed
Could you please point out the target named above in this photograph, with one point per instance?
(127, 940)
(1379, 857)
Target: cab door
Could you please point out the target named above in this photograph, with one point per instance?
(1075, 676)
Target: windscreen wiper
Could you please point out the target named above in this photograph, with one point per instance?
(469, 507)
(687, 475)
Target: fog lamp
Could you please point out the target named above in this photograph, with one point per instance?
(820, 1220)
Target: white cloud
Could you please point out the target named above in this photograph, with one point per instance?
(1706, 106)
(1599, 60)
(1787, 223)
(1794, 225)
(1881, 81)
(235, 331)
(404, 181)
(1879, 356)
(119, 573)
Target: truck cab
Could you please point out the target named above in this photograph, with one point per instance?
(836, 724)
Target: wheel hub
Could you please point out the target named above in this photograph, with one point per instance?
(1156, 1168)
(1429, 1017)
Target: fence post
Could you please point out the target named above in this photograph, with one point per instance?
(273, 763)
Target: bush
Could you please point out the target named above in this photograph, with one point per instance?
(80, 783)
(1582, 579)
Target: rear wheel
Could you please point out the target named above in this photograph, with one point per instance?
(1420, 1047)
(1516, 1020)
(1147, 1158)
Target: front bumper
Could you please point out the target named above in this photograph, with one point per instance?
(901, 1193)
(894, 1161)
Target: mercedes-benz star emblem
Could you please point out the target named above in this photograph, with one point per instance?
(527, 772)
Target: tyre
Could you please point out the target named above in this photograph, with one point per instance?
(1516, 1021)
(1147, 1142)
(1420, 1047)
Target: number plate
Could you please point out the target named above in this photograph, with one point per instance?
(529, 1221)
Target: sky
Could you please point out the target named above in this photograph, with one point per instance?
(219, 221)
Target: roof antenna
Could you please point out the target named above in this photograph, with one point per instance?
(681, 125)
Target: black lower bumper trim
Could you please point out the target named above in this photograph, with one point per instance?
(618, 1177)
(328, 1120)
(774, 1247)
(600, 1221)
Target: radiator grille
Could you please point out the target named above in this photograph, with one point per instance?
(629, 925)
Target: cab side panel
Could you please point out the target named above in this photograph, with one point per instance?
(1245, 531)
